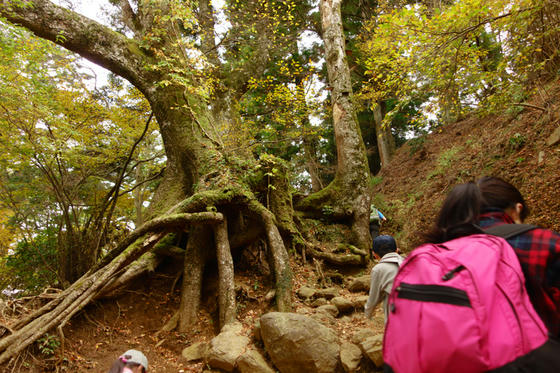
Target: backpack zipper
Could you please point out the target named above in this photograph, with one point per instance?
(433, 293)
(449, 275)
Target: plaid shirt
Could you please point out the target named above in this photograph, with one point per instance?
(539, 255)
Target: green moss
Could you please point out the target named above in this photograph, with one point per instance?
(168, 240)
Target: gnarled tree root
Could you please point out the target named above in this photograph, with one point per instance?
(57, 312)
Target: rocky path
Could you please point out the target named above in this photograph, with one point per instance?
(327, 333)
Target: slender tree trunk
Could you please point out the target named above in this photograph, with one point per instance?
(385, 140)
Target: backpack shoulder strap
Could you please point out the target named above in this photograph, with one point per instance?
(509, 230)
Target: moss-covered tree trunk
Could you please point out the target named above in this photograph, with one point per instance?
(198, 175)
(347, 195)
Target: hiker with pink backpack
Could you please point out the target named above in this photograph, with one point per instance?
(459, 302)
(537, 249)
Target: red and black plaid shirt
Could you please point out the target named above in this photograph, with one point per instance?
(538, 251)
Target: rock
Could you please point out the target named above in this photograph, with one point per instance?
(227, 347)
(253, 362)
(328, 293)
(324, 317)
(328, 308)
(362, 335)
(305, 292)
(319, 302)
(360, 302)
(554, 138)
(269, 297)
(360, 284)
(196, 351)
(372, 347)
(342, 304)
(540, 157)
(350, 356)
(299, 344)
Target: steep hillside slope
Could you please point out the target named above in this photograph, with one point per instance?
(517, 146)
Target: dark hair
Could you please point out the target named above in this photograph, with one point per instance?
(118, 366)
(458, 215)
(498, 193)
(384, 244)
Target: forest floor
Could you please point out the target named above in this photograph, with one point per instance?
(107, 328)
(409, 191)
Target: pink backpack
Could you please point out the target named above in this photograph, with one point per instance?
(460, 306)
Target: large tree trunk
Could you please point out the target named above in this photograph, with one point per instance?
(197, 175)
(347, 195)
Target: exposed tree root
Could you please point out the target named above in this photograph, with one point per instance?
(226, 294)
(336, 259)
(57, 312)
(80, 294)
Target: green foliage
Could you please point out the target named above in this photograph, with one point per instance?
(48, 344)
(327, 210)
(33, 264)
(63, 149)
(416, 144)
(517, 141)
(467, 55)
(375, 180)
(444, 161)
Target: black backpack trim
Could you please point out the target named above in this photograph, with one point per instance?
(507, 231)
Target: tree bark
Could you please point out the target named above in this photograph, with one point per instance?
(385, 140)
(347, 195)
(195, 260)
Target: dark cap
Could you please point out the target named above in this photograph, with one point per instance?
(384, 244)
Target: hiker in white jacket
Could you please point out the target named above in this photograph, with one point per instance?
(383, 274)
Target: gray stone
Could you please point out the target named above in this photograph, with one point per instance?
(324, 317)
(196, 351)
(253, 362)
(350, 356)
(372, 347)
(360, 302)
(540, 158)
(362, 335)
(360, 284)
(343, 304)
(299, 344)
(328, 293)
(328, 308)
(305, 292)
(554, 138)
(319, 302)
(227, 347)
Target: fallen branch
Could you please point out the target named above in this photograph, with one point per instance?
(531, 106)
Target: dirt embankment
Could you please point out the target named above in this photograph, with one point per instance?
(515, 146)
